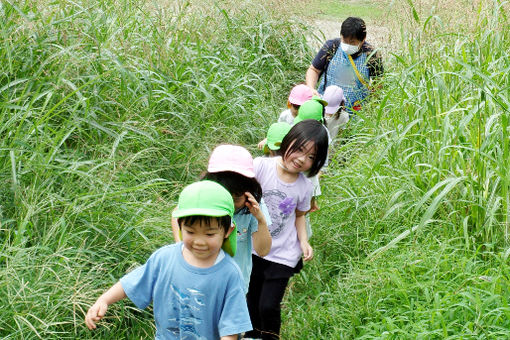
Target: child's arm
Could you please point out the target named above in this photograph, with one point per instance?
(261, 144)
(261, 238)
(303, 236)
(175, 229)
(98, 309)
(313, 205)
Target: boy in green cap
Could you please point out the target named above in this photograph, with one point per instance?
(197, 291)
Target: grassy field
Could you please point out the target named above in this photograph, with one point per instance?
(108, 108)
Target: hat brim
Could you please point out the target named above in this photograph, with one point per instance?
(274, 146)
(199, 211)
(244, 172)
(297, 101)
(331, 109)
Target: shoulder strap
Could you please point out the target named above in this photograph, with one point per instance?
(331, 54)
(363, 81)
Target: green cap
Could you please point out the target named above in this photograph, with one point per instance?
(275, 135)
(311, 109)
(208, 198)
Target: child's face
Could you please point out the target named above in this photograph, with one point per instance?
(239, 201)
(203, 241)
(293, 109)
(300, 160)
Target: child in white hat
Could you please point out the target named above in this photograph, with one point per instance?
(336, 115)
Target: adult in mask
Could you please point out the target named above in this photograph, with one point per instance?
(348, 62)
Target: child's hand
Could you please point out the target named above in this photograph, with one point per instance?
(261, 144)
(95, 313)
(313, 205)
(253, 206)
(307, 250)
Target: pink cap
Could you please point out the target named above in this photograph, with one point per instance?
(334, 95)
(300, 94)
(233, 158)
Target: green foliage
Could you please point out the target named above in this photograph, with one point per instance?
(411, 240)
(108, 108)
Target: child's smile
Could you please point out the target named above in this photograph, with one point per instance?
(300, 160)
(202, 243)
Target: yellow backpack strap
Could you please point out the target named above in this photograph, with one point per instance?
(357, 73)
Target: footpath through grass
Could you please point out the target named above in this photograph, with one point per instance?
(108, 108)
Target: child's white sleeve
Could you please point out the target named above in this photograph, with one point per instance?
(316, 185)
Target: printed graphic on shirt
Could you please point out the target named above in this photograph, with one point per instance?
(280, 208)
(189, 306)
(242, 232)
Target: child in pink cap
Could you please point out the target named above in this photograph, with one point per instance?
(232, 167)
(298, 95)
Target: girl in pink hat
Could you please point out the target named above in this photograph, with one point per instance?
(298, 95)
(232, 167)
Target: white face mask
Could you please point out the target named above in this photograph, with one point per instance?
(349, 49)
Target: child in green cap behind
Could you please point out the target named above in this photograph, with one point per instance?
(196, 291)
(274, 138)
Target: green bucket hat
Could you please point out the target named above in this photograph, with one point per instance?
(208, 198)
(275, 135)
(311, 109)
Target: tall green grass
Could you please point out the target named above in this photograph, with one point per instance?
(107, 109)
(412, 236)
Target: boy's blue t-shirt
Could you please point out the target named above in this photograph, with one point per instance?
(189, 302)
(247, 224)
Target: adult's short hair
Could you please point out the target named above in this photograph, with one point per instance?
(354, 27)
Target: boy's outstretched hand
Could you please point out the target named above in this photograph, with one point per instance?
(95, 313)
(98, 309)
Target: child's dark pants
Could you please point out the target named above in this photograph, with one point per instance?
(267, 286)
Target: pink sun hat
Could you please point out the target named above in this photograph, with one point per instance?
(334, 95)
(235, 158)
(300, 94)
